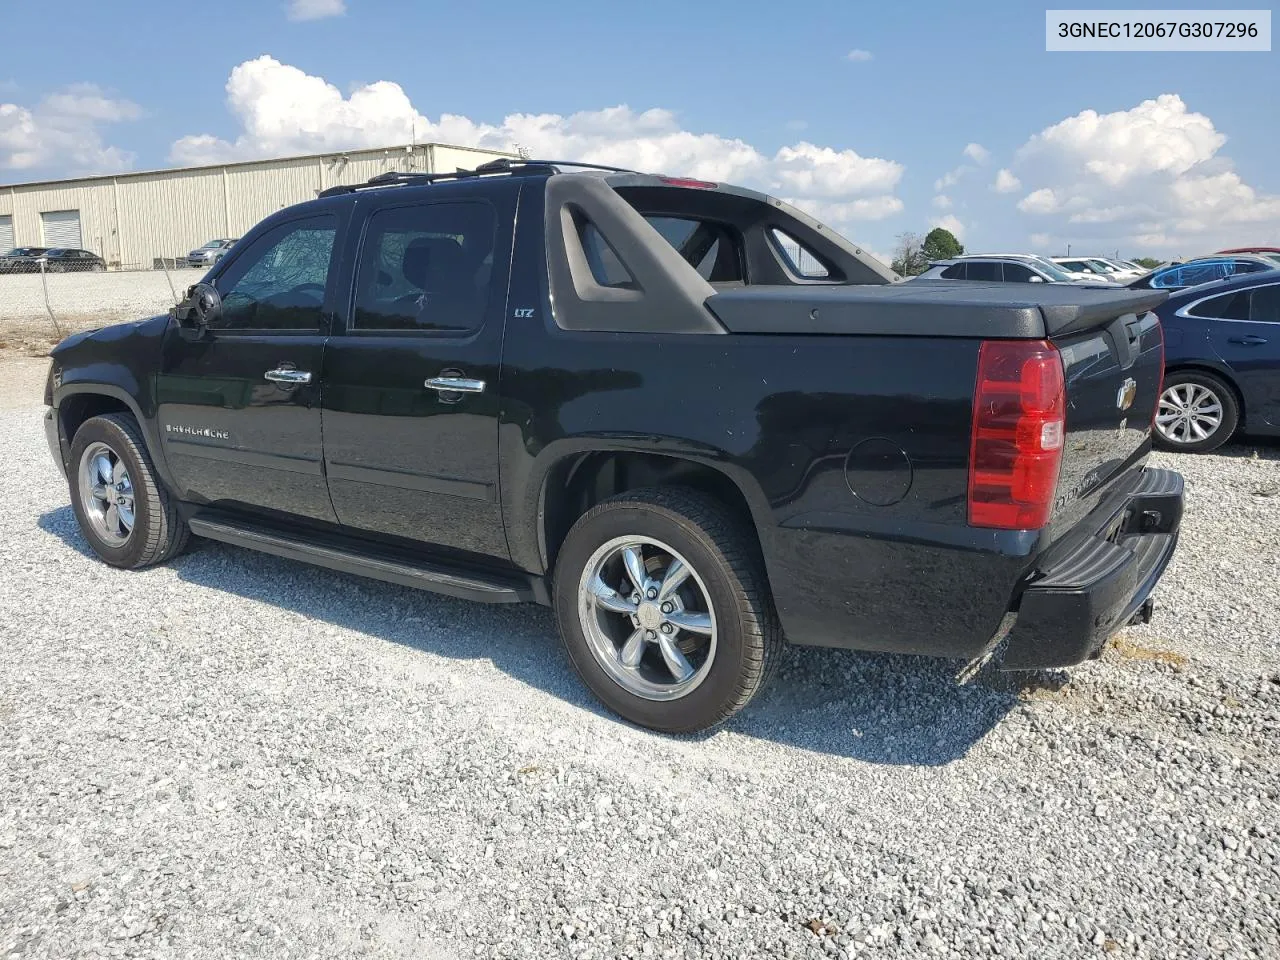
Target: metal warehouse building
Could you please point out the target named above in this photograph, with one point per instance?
(132, 220)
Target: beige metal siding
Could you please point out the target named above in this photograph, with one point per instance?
(167, 215)
(133, 219)
(27, 203)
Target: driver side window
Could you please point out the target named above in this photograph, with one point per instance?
(278, 283)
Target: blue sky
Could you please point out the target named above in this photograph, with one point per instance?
(1191, 171)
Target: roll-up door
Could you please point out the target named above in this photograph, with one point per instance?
(61, 228)
(6, 233)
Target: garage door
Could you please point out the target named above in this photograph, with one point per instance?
(6, 233)
(61, 228)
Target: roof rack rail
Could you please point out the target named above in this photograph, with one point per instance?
(513, 166)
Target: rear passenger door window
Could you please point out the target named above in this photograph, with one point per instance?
(1229, 306)
(954, 272)
(425, 268)
(1017, 273)
(984, 270)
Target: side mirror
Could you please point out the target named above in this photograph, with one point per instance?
(1036, 278)
(201, 309)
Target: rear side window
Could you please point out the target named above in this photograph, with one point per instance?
(607, 268)
(984, 270)
(425, 268)
(1265, 304)
(799, 259)
(1017, 273)
(706, 246)
(1249, 266)
(954, 272)
(1229, 306)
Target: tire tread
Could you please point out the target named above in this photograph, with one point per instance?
(739, 553)
(166, 532)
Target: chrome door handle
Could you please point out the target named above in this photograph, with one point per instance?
(1249, 341)
(282, 375)
(454, 385)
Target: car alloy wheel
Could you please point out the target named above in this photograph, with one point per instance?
(106, 493)
(1189, 413)
(647, 618)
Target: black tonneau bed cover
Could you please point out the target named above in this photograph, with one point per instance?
(938, 308)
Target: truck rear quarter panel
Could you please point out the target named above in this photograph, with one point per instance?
(851, 453)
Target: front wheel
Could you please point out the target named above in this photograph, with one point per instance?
(664, 609)
(1197, 413)
(128, 518)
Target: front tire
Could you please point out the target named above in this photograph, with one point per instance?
(1197, 413)
(664, 609)
(126, 515)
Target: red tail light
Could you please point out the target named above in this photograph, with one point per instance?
(686, 182)
(1159, 380)
(1019, 416)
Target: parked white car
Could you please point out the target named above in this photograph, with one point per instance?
(1005, 268)
(1127, 270)
(1088, 268)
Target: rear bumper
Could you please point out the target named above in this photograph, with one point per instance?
(1091, 587)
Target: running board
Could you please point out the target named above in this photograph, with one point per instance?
(423, 575)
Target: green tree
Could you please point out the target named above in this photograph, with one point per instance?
(941, 244)
(1149, 262)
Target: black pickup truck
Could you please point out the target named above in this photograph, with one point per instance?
(688, 416)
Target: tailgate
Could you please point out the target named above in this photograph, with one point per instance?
(1113, 372)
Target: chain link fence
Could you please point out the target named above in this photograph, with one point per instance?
(38, 307)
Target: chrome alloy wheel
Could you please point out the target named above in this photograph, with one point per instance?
(1189, 413)
(647, 617)
(106, 494)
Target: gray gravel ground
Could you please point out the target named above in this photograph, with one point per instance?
(104, 297)
(238, 756)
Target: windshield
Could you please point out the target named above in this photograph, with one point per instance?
(1052, 269)
(213, 244)
(1102, 265)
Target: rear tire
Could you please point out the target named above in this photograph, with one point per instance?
(680, 636)
(1197, 413)
(126, 515)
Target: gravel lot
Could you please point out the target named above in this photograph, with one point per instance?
(81, 300)
(236, 755)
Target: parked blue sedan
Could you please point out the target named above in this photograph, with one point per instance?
(1222, 363)
(1204, 270)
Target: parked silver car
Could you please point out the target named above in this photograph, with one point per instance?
(208, 255)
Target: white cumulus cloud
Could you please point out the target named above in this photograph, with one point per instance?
(942, 202)
(977, 152)
(949, 222)
(859, 56)
(315, 9)
(1043, 200)
(1006, 182)
(63, 132)
(1153, 176)
(283, 110)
